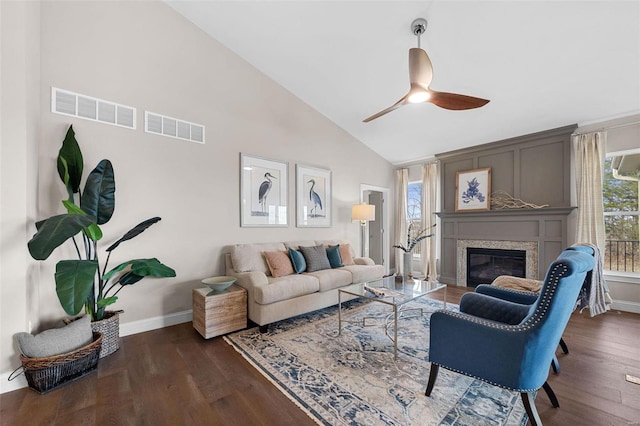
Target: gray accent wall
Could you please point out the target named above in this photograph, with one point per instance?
(535, 168)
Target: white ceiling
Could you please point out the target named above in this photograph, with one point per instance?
(543, 64)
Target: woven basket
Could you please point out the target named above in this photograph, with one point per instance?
(45, 374)
(110, 329)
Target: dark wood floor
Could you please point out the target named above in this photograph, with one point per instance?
(174, 377)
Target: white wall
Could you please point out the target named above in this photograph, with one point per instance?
(19, 135)
(145, 55)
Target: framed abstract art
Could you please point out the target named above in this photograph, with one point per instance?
(473, 190)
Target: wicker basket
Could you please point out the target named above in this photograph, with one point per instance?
(45, 374)
(110, 329)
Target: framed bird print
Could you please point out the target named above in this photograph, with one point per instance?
(313, 197)
(264, 194)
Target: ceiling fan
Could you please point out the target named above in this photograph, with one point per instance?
(420, 76)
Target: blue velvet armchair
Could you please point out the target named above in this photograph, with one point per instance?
(482, 342)
(528, 298)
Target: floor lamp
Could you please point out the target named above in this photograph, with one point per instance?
(364, 213)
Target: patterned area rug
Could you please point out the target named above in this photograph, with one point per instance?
(353, 379)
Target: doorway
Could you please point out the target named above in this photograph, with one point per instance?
(376, 242)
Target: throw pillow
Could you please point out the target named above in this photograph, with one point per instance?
(297, 260)
(345, 254)
(279, 263)
(333, 253)
(58, 340)
(316, 258)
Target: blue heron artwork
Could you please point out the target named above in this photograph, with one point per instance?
(263, 193)
(315, 199)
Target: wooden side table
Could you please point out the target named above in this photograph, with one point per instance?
(219, 313)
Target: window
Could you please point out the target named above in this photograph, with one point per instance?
(414, 210)
(622, 212)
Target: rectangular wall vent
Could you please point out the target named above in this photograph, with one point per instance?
(173, 127)
(89, 108)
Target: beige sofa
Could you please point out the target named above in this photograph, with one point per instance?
(273, 299)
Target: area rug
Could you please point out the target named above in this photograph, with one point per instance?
(353, 379)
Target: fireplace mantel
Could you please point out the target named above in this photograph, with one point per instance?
(509, 212)
(545, 228)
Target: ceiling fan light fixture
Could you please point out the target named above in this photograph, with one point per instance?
(418, 96)
(420, 76)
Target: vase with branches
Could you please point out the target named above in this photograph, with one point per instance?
(413, 238)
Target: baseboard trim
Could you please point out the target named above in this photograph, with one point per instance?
(623, 305)
(155, 323)
(8, 386)
(126, 329)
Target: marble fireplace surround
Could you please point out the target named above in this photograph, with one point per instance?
(530, 248)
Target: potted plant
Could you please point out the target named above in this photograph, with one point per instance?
(413, 238)
(81, 283)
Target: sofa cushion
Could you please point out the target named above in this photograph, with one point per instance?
(332, 278)
(333, 253)
(316, 258)
(279, 263)
(58, 340)
(248, 257)
(362, 273)
(285, 288)
(297, 260)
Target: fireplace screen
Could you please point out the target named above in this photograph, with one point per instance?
(484, 265)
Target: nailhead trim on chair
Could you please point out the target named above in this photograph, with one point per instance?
(549, 288)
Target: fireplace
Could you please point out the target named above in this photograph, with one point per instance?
(486, 264)
(528, 248)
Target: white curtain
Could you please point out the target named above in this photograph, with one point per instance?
(430, 177)
(590, 151)
(402, 182)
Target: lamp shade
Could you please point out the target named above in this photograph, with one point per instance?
(363, 212)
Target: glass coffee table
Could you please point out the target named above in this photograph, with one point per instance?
(396, 295)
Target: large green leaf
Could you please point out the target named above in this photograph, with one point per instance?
(55, 231)
(151, 268)
(64, 175)
(143, 268)
(134, 232)
(129, 278)
(99, 195)
(74, 283)
(93, 231)
(72, 155)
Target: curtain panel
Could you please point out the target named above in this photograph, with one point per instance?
(430, 177)
(402, 182)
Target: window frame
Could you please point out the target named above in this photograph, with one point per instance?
(624, 276)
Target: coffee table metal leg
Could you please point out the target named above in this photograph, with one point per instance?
(445, 296)
(395, 332)
(339, 313)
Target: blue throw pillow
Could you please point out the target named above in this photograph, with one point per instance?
(333, 253)
(297, 260)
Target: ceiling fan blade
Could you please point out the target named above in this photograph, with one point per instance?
(385, 111)
(420, 67)
(455, 101)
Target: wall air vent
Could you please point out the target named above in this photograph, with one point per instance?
(89, 108)
(173, 127)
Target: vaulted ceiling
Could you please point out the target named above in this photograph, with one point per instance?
(543, 64)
